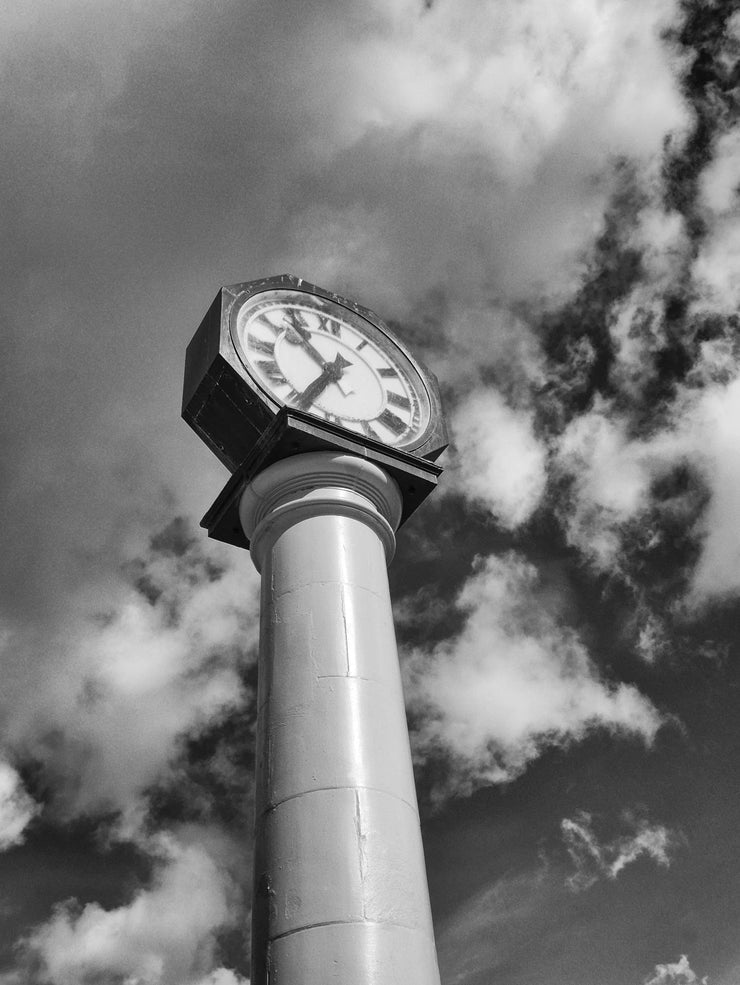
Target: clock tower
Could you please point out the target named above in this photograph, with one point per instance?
(330, 427)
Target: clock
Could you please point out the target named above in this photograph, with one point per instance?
(283, 343)
(313, 354)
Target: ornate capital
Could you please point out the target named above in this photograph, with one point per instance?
(319, 484)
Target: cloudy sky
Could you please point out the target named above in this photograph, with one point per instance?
(543, 199)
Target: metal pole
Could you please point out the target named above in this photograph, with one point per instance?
(340, 891)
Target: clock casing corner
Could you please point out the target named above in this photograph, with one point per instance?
(220, 401)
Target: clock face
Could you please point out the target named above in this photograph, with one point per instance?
(316, 355)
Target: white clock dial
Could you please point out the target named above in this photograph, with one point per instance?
(317, 356)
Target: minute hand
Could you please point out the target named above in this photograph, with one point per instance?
(304, 339)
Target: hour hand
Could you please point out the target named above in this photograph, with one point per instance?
(331, 373)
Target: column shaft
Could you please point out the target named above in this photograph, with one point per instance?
(340, 884)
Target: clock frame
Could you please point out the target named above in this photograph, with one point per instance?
(228, 409)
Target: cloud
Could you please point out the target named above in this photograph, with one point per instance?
(515, 681)
(166, 935)
(718, 182)
(501, 463)
(614, 477)
(653, 639)
(480, 157)
(715, 428)
(716, 268)
(17, 808)
(677, 973)
(481, 336)
(491, 930)
(223, 976)
(611, 479)
(669, 360)
(139, 663)
(638, 333)
(593, 859)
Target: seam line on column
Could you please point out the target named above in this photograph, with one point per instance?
(341, 786)
(311, 584)
(346, 631)
(360, 849)
(351, 923)
(349, 677)
(341, 677)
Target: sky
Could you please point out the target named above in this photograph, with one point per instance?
(542, 200)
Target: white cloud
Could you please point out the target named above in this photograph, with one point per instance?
(501, 462)
(17, 808)
(515, 681)
(525, 72)
(480, 157)
(719, 182)
(714, 428)
(223, 976)
(612, 476)
(130, 671)
(715, 271)
(165, 936)
(593, 859)
(676, 973)
(661, 239)
(638, 334)
(652, 638)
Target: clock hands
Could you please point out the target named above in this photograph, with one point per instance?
(331, 373)
(299, 334)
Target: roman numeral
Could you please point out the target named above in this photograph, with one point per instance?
(291, 395)
(361, 345)
(271, 370)
(326, 324)
(260, 346)
(370, 432)
(264, 322)
(388, 373)
(391, 421)
(295, 317)
(398, 400)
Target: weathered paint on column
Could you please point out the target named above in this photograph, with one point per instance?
(341, 893)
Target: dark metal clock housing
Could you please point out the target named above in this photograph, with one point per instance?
(228, 409)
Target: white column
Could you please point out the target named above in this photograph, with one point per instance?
(341, 893)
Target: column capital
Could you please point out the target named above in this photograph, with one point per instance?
(319, 484)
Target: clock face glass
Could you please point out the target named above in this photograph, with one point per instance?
(318, 356)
